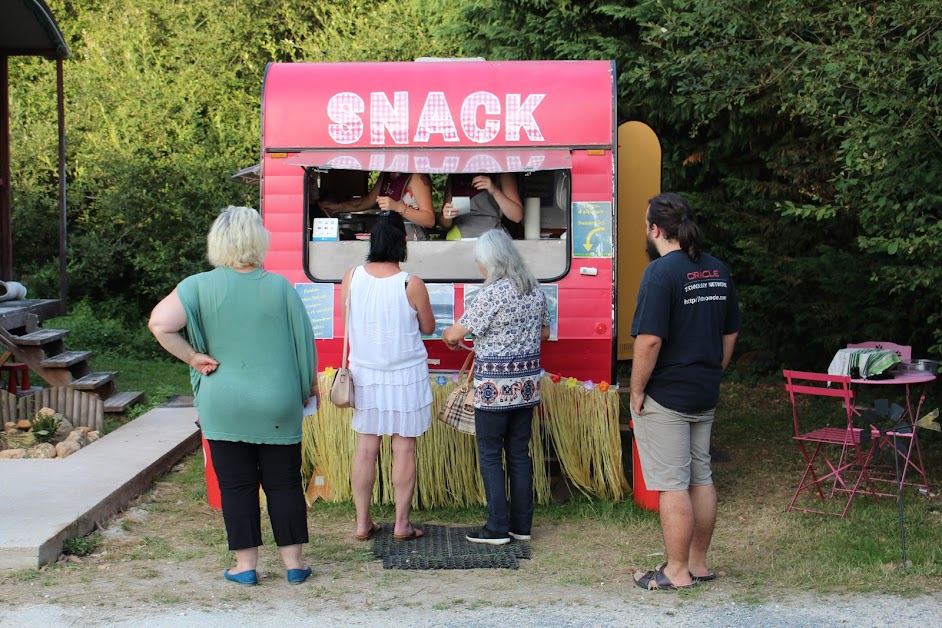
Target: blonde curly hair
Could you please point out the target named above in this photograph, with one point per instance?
(237, 238)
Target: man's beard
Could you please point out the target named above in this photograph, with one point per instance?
(652, 249)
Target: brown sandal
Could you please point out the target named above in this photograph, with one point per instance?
(415, 534)
(374, 528)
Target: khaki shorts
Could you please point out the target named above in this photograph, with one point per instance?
(674, 447)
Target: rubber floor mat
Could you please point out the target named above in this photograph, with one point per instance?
(443, 547)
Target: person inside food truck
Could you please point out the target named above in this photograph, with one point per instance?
(407, 194)
(475, 203)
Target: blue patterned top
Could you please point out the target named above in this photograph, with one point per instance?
(506, 328)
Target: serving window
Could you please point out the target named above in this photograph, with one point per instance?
(337, 241)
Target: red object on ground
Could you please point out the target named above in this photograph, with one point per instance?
(649, 500)
(12, 368)
(213, 495)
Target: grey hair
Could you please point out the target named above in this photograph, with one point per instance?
(495, 251)
(237, 238)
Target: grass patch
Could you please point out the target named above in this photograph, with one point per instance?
(145, 572)
(127, 347)
(23, 575)
(159, 380)
(81, 545)
(151, 548)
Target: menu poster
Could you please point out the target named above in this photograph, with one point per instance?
(442, 296)
(318, 299)
(470, 290)
(325, 229)
(552, 303)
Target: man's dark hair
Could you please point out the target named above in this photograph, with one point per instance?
(388, 239)
(671, 213)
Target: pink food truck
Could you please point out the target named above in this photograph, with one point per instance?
(330, 129)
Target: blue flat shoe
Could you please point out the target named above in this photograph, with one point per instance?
(249, 578)
(297, 576)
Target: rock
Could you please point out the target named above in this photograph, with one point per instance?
(23, 424)
(64, 429)
(43, 450)
(12, 454)
(78, 435)
(93, 436)
(46, 411)
(19, 440)
(9, 425)
(66, 448)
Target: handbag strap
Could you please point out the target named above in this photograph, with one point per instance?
(464, 368)
(346, 321)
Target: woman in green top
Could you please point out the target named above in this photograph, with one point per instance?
(250, 349)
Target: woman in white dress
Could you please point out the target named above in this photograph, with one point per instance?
(389, 312)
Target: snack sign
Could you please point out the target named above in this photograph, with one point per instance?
(514, 114)
(507, 104)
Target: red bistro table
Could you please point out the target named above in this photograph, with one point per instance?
(908, 379)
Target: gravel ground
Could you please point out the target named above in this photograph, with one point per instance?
(635, 608)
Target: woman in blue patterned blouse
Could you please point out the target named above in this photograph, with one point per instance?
(508, 319)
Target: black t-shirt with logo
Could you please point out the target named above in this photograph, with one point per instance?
(690, 306)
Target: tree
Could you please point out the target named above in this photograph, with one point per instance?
(163, 105)
(807, 133)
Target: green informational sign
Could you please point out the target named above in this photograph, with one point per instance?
(591, 229)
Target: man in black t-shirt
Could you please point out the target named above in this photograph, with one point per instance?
(685, 328)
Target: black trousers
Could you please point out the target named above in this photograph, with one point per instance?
(241, 468)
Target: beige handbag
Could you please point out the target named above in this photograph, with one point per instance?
(458, 410)
(341, 390)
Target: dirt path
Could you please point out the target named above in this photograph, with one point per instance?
(173, 596)
(161, 563)
(135, 581)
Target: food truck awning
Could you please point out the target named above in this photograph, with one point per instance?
(434, 161)
(250, 175)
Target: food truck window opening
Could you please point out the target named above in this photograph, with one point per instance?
(345, 242)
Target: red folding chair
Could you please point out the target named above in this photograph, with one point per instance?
(836, 454)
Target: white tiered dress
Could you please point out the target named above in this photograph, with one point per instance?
(388, 360)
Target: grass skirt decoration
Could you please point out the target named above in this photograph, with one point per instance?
(582, 422)
(577, 424)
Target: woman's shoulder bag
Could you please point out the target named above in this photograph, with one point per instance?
(458, 410)
(342, 390)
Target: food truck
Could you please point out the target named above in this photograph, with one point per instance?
(329, 129)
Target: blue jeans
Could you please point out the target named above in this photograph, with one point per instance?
(506, 432)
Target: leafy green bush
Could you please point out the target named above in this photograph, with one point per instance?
(44, 426)
(81, 545)
(104, 329)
